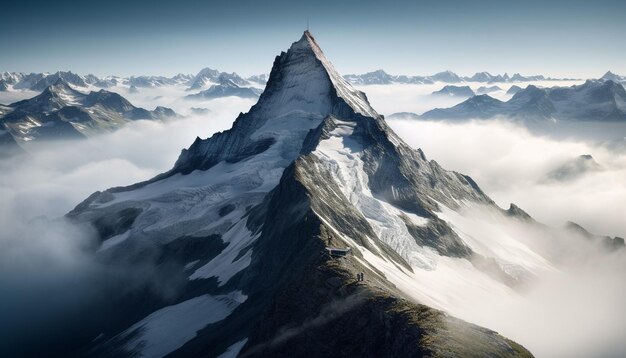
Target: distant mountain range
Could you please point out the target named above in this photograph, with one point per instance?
(226, 86)
(381, 77)
(208, 77)
(603, 100)
(61, 112)
(203, 80)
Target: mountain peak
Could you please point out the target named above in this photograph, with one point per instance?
(307, 47)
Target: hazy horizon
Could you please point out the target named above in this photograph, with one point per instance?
(165, 38)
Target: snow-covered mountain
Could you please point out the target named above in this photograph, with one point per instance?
(239, 236)
(63, 112)
(204, 78)
(226, 87)
(259, 79)
(243, 219)
(454, 91)
(610, 76)
(594, 100)
(208, 77)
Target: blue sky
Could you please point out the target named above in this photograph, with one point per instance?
(557, 38)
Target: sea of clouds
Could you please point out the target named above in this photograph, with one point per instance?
(579, 311)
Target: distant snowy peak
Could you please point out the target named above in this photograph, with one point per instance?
(226, 88)
(454, 91)
(227, 85)
(69, 77)
(259, 79)
(610, 76)
(39, 81)
(574, 168)
(208, 77)
(204, 77)
(602, 100)
(447, 77)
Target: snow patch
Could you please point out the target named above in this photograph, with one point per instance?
(169, 328)
(233, 351)
(230, 261)
(113, 241)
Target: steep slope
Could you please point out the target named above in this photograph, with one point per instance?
(62, 112)
(238, 229)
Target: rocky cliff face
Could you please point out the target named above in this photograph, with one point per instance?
(238, 230)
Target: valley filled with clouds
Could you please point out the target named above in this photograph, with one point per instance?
(537, 167)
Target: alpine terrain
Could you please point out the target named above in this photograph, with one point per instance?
(61, 112)
(238, 237)
(594, 100)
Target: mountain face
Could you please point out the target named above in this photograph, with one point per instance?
(454, 91)
(238, 231)
(61, 112)
(204, 78)
(50, 80)
(591, 101)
